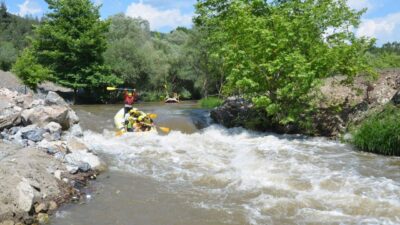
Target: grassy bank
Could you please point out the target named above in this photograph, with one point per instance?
(380, 132)
(210, 102)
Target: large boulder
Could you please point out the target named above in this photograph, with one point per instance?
(80, 160)
(42, 115)
(53, 98)
(9, 110)
(9, 118)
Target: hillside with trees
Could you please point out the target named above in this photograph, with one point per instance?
(13, 35)
(231, 48)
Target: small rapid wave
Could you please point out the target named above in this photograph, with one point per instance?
(268, 178)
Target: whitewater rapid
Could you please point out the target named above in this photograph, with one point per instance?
(269, 178)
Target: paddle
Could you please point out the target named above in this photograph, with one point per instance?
(119, 89)
(163, 129)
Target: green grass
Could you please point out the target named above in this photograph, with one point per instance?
(380, 133)
(210, 102)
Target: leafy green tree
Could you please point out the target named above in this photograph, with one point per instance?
(276, 52)
(207, 67)
(29, 70)
(129, 51)
(70, 43)
(8, 55)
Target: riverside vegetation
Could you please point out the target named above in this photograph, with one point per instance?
(275, 54)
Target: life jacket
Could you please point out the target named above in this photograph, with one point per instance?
(129, 100)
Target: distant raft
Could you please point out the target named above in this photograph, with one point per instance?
(171, 100)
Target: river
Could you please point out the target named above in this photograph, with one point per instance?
(204, 174)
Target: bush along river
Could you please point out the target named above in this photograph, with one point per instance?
(202, 173)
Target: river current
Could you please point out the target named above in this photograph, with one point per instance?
(204, 174)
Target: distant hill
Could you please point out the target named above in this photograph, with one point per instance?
(13, 35)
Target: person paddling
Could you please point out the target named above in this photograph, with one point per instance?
(129, 100)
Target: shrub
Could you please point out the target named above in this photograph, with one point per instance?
(380, 133)
(210, 102)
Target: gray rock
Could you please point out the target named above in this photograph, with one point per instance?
(42, 115)
(53, 98)
(35, 135)
(14, 130)
(36, 102)
(72, 117)
(84, 167)
(52, 205)
(25, 195)
(9, 118)
(52, 147)
(72, 169)
(56, 136)
(41, 208)
(75, 145)
(59, 156)
(52, 137)
(76, 159)
(53, 127)
(31, 143)
(76, 130)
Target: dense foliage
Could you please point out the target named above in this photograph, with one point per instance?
(13, 32)
(380, 133)
(69, 45)
(273, 52)
(156, 64)
(276, 52)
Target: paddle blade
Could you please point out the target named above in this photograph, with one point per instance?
(119, 133)
(111, 88)
(152, 115)
(165, 129)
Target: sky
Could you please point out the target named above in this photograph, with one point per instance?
(381, 21)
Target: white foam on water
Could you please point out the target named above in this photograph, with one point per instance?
(272, 178)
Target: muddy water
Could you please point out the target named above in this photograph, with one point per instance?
(201, 174)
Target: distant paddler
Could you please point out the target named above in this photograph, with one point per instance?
(130, 97)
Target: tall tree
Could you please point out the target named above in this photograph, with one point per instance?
(70, 42)
(276, 52)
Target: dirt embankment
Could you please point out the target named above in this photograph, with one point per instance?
(43, 161)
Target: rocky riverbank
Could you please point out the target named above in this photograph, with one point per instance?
(43, 161)
(341, 105)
